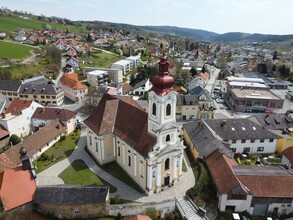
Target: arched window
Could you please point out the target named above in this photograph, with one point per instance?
(154, 109)
(168, 109)
(167, 164)
(167, 138)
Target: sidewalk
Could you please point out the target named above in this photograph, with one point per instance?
(50, 177)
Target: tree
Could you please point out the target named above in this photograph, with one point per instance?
(14, 139)
(192, 47)
(275, 55)
(193, 71)
(89, 38)
(203, 69)
(262, 68)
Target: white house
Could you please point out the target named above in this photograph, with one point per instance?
(135, 60)
(115, 75)
(17, 117)
(143, 86)
(97, 77)
(124, 65)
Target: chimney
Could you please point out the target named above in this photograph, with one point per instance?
(267, 115)
(3, 115)
(57, 126)
(223, 123)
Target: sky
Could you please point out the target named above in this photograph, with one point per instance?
(220, 16)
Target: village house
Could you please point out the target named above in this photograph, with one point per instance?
(240, 135)
(44, 115)
(259, 190)
(114, 75)
(17, 117)
(73, 89)
(140, 88)
(41, 90)
(146, 146)
(35, 144)
(97, 77)
(287, 159)
(10, 88)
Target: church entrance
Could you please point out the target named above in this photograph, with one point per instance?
(167, 181)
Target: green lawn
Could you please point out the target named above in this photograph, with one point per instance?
(10, 24)
(60, 150)
(11, 50)
(79, 173)
(115, 170)
(100, 59)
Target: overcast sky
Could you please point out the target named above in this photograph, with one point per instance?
(220, 16)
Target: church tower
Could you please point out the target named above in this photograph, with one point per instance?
(165, 161)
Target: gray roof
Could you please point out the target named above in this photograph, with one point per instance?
(274, 121)
(239, 129)
(71, 194)
(140, 84)
(10, 85)
(199, 91)
(186, 100)
(44, 88)
(203, 139)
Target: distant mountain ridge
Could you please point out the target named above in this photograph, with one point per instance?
(200, 34)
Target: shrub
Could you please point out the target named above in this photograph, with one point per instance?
(152, 213)
(14, 139)
(202, 181)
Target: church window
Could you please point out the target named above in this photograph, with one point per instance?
(168, 138)
(97, 147)
(129, 160)
(154, 173)
(141, 169)
(167, 164)
(118, 151)
(168, 110)
(90, 140)
(154, 109)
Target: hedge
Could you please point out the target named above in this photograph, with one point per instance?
(201, 182)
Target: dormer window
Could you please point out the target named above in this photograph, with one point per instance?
(168, 138)
(154, 110)
(168, 109)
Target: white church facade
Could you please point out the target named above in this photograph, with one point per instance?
(146, 145)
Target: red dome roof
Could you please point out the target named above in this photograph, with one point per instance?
(163, 82)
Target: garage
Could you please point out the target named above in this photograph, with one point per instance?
(260, 209)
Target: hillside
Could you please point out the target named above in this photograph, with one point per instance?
(12, 23)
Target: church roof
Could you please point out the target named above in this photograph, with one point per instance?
(124, 118)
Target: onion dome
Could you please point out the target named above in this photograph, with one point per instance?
(163, 82)
(22, 151)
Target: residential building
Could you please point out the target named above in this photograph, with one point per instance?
(203, 96)
(73, 201)
(135, 60)
(17, 117)
(9, 88)
(195, 82)
(279, 124)
(186, 107)
(240, 135)
(124, 65)
(41, 90)
(146, 146)
(35, 144)
(251, 95)
(97, 77)
(43, 116)
(114, 75)
(142, 87)
(259, 190)
(73, 89)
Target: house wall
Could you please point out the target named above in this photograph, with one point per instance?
(286, 162)
(9, 95)
(75, 95)
(115, 75)
(284, 143)
(74, 211)
(70, 124)
(54, 100)
(269, 147)
(240, 205)
(189, 144)
(15, 125)
(283, 208)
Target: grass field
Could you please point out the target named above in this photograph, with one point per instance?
(11, 50)
(79, 173)
(100, 59)
(10, 24)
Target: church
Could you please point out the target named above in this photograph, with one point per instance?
(146, 145)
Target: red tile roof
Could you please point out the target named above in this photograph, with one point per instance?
(17, 105)
(17, 187)
(288, 153)
(43, 113)
(220, 167)
(32, 143)
(125, 118)
(71, 80)
(126, 88)
(3, 132)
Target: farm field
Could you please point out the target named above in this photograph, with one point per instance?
(10, 24)
(11, 50)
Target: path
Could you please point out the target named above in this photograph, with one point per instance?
(50, 177)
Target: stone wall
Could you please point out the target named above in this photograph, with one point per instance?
(138, 208)
(73, 211)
